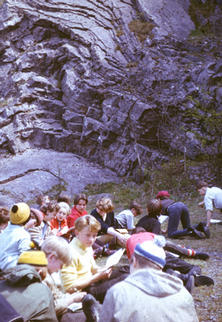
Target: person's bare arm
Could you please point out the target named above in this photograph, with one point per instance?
(209, 215)
(79, 284)
(201, 204)
(114, 233)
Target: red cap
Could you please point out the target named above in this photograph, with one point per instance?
(137, 239)
(163, 193)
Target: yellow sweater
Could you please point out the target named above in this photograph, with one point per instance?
(82, 267)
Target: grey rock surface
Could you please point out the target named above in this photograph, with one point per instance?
(124, 84)
(25, 176)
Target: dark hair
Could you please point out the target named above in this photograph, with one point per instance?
(50, 207)
(154, 208)
(201, 184)
(63, 198)
(41, 199)
(134, 204)
(4, 215)
(79, 197)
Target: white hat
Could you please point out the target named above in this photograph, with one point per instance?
(152, 252)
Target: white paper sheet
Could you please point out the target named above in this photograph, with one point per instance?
(114, 259)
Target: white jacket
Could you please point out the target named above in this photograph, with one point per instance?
(148, 295)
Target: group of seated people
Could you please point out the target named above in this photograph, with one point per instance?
(37, 242)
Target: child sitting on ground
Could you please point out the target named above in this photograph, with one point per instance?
(83, 270)
(58, 252)
(59, 224)
(4, 215)
(14, 239)
(105, 215)
(41, 232)
(79, 209)
(126, 217)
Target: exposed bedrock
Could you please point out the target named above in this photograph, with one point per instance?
(120, 83)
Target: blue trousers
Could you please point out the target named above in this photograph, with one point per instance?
(178, 212)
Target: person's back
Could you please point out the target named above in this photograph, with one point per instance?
(126, 217)
(213, 197)
(150, 221)
(148, 295)
(14, 239)
(22, 287)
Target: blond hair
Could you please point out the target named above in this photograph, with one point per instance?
(87, 221)
(64, 206)
(105, 204)
(59, 247)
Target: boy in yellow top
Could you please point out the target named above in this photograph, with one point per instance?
(83, 270)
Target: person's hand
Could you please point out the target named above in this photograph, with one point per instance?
(31, 223)
(105, 273)
(54, 231)
(201, 204)
(122, 239)
(78, 296)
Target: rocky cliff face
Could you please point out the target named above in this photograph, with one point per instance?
(121, 83)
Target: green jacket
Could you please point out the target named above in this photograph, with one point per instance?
(23, 289)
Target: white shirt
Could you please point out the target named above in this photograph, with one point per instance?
(126, 219)
(213, 198)
(14, 240)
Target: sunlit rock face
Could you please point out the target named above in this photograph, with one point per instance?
(120, 83)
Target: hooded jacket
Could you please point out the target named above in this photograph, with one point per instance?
(148, 295)
(23, 289)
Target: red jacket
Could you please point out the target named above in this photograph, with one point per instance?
(75, 214)
(61, 227)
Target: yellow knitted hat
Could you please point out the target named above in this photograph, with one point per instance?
(33, 257)
(19, 213)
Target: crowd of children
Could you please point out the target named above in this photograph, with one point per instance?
(55, 236)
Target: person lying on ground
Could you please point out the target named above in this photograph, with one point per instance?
(147, 294)
(14, 239)
(188, 273)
